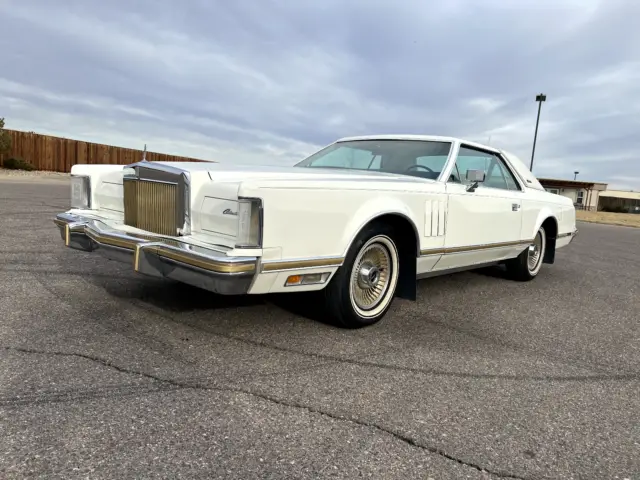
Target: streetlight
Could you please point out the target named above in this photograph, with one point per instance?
(539, 98)
(575, 175)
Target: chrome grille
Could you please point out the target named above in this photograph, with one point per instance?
(151, 206)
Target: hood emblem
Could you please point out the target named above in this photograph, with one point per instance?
(228, 211)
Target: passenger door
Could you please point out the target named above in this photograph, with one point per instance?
(483, 225)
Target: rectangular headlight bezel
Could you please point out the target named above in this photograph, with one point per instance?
(250, 223)
(81, 191)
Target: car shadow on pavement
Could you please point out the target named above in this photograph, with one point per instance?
(496, 271)
(179, 297)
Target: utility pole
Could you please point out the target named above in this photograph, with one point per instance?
(539, 98)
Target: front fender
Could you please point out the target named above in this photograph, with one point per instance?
(372, 209)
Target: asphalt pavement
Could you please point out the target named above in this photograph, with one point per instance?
(108, 374)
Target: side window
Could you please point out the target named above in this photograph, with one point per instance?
(468, 160)
(497, 173)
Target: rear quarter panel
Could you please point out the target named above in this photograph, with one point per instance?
(539, 205)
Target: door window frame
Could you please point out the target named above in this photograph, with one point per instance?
(498, 156)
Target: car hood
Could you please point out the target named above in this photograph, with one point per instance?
(229, 172)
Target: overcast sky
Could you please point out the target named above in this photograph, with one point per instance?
(269, 81)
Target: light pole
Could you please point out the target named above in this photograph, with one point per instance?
(541, 97)
(575, 175)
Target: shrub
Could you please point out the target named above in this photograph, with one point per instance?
(17, 163)
(5, 138)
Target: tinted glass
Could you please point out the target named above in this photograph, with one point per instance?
(497, 173)
(418, 158)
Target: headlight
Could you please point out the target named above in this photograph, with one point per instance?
(80, 191)
(249, 223)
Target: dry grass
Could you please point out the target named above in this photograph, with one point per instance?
(5, 172)
(626, 219)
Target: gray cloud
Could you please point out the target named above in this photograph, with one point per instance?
(271, 81)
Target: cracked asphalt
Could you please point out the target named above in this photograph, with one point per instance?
(106, 374)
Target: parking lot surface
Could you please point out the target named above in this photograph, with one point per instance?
(107, 374)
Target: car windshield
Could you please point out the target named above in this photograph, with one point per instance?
(418, 158)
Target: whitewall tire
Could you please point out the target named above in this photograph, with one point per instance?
(363, 289)
(527, 265)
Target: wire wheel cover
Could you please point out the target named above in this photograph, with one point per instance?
(371, 276)
(535, 252)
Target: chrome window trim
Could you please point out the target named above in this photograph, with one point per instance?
(448, 165)
(496, 154)
(512, 170)
(451, 161)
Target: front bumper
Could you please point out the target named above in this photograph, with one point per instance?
(160, 257)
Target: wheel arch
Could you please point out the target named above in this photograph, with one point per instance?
(550, 225)
(407, 241)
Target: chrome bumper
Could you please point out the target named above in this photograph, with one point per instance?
(160, 257)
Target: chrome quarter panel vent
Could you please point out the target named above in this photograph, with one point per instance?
(157, 198)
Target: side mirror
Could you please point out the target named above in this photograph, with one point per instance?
(475, 177)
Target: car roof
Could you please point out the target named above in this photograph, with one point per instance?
(425, 138)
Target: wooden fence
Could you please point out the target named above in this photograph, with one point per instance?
(58, 154)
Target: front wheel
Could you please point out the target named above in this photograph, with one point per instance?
(526, 266)
(362, 290)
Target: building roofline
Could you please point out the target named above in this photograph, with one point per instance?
(625, 195)
(568, 183)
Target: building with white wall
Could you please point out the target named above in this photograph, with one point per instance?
(585, 195)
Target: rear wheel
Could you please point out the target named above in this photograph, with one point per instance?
(526, 266)
(362, 290)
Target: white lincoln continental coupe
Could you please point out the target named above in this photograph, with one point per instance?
(359, 221)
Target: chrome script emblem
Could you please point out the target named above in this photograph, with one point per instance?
(228, 211)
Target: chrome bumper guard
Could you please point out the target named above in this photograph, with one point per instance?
(160, 257)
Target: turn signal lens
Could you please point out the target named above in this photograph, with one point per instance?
(294, 280)
(307, 279)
